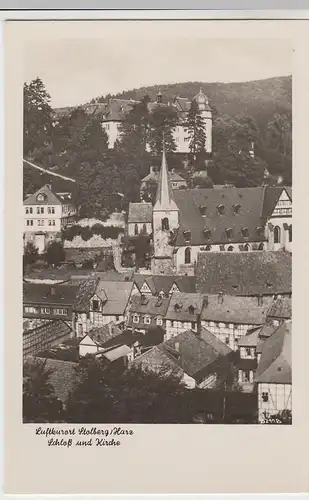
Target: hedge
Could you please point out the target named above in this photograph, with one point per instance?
(87, 232)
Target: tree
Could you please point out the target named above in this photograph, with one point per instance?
(55, 253)
(31, 253)
(39, 401)
(149, 191)
(196, 130)
(163, 121)
(37, 116)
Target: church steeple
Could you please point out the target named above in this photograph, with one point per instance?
(164, 199)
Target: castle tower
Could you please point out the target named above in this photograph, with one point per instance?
(165, 218)
(203, 105)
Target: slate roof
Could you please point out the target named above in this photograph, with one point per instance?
(117, 293)
(140, 212)
(62, 377)
(41, 293)
(160, 361)
(103, 334)
(184, 301)
(160, 282)
(85, 292)
(50, 198)
(281, 308)
(236, 309)
(153, 306)
(244, 273)
(275, 366)
(245, 209)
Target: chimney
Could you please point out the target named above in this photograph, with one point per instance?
(260, 300)
(110, 329)
(53, 291)
(220, 298)
(177, 346)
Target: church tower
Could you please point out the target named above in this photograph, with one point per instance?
(165, 219)
(206, 113)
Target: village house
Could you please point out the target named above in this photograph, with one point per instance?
(246, 274)
(163, 285)
(229, 317)
(140, 219)
(197, 359)
(177, 182)
(50, 302)
(99, 339)
(183, 313)
(146, 312)
(274, 373)
(101, 302)
(45, 213)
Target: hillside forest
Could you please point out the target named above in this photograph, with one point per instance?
(73, 142)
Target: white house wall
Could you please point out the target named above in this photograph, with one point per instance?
(279, 399)
(228, 333)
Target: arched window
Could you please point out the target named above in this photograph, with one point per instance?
(290, 233)
(277, 234)
(261, 246)
(230, 248)
(208, 248)
(188, 255)
(144, 229)
(136, 229)
(165, 224)
(246, 247)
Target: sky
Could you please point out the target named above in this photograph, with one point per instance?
(75, 70)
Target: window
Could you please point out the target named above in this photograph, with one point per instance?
(246, 248)
(95, 305)
(236, 208)
(245, 232)
(165, 224)
(159, 321)
(230, 248)
(208, 248)
(30, 309)
(220, 209)
(248, 351)
(51, 222)
(187, 236)
(61, 312)
(261, 246)
(290, 233)
(136, 229)
(229, 233)
(191, 309)
(45, 310)
(246, 376)
(187, 255)
(41, 222)
(175, 324)
(207, 233)
(28, 210)
(203, 209)
(147, 320)
(265, 397)
(29, 222)
(227, 340)
(51, 210)
(277, 234)
(144, 230)
(135, 318)
(40, 197)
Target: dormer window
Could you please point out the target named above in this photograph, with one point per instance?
(187, 236)
(95, 305)
(245, 232)
(220, 209)
(229, 232)
(203, 209)
(207, 233)
(144, 300)
(177, 307)
(147, 320)
(236, 208)
(259, 230)
(40, 197)
(135, 318)
(191, 309)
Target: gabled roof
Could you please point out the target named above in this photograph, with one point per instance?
(249, 340)
(85, 292)
(41, 293)
(271, 198)
(275, 366)
(160, 361)
(245, 273)
(164, 198)
(281, 308)
(180, 306)
(140, 212)
(161, 282)
(103, 334)
(50, 198)
(154, 306)
(241, 210)
(173, 177)
(117, 293)
(235, 309)
(117, 352)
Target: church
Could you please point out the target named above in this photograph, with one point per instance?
(187, 222)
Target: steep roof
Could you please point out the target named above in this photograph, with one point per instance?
(164, 198)
(271, 198)
(85, 292)
(61, 294)
(161, 282)
(249, 340)
(244, 273)
(180, 306)
(158, 360)
(50, 198)
(140, 212)
(217, 210)
(275, 366)
(154, 306)
(235, 309)
(117, 109)
(117, 293)
(104, 333)
(281, 308)
(194, 352)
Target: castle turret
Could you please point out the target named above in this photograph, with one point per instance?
(203, 105)
(165, 220)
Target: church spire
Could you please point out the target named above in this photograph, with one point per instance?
(164, 198)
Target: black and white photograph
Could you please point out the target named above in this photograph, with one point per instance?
(157, 230)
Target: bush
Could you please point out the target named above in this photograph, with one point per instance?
(87, 232)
